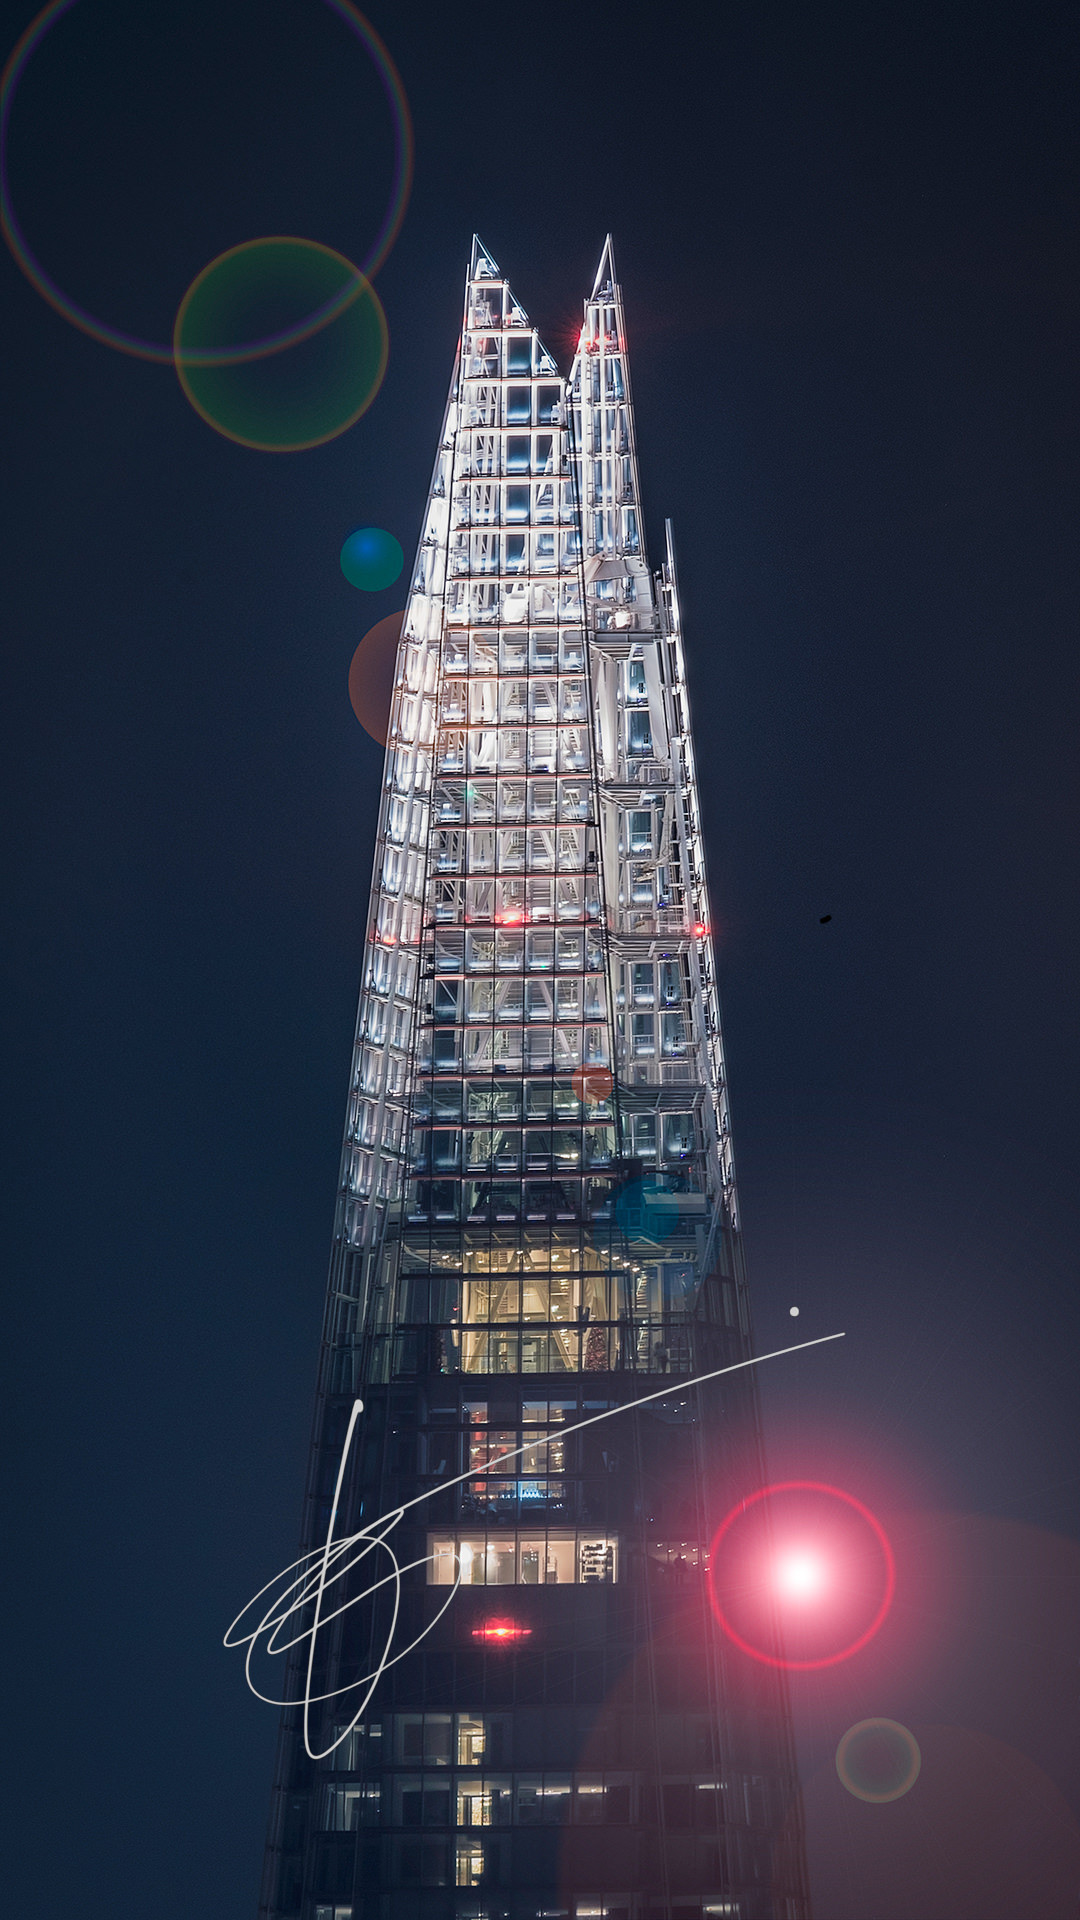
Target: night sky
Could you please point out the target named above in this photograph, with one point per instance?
(847, 240)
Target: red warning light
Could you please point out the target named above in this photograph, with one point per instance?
(500, 1633)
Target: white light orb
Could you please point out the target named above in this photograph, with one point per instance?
(800, 1575)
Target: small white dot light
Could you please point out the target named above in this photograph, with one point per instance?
(794, 1312)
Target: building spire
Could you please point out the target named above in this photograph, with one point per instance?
(481, 264)
(605, 273)
(536, 1227)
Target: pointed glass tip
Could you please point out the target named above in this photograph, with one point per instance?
(481, 264)
(605, 281)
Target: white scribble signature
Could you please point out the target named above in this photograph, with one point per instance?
(316, 1572)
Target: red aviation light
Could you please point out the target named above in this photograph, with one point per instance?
(500, 1633)
(700, 930)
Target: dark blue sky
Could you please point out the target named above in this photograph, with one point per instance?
(847, 239)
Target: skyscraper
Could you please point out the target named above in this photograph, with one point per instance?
(537, 1236)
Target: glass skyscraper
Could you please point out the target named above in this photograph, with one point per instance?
(537, 1225)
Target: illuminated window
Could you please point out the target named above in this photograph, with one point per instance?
(471, 1741)
(531, 1558)
(485, 1802)
(471, 1864)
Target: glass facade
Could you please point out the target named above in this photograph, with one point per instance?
(537, 1227)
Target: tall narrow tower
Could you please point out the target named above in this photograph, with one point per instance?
(536, 1249)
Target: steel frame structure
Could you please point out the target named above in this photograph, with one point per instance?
(537, 1214)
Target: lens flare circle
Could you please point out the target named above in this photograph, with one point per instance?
(371, 676)
(647, 1202)
(280, 401)
(878, 1760)
(801, 1576)
(371, 559)
(879, 1536)
(300, 329)
(592, 1083)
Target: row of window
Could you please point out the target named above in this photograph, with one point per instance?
(571, 900)
(485, 402)
(512, 1050)
(602, 379)
(502, 993)
(526, 1800)
(536, 800)
(477, 552)
(505, 1196)
(489, 356)
(563, 1250)
(480, 504)
(547, 1411)
(518, 603)
(514, 750)
(508, 949)
(500, 1150)
(424, 1299)
(506, 1200)
(490, 655)
(647, 1034)
(491, 303)
(546, 699)
(570, 1558)
(603, 1906)
(478, 1861)
(518, 851)
(681, 1745)
(504, 1100)
(556, 701)
(517, 996)
(645, 984)
(497, 1109)
(567, 1149)
(497, 1742)
(537, 453)
(655, 1347)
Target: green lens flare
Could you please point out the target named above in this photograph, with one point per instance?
(878, 1761)
(282, 398)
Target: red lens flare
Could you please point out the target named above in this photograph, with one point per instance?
(500, 1632)
(371, 676)
(801, 1575)
(592, 1083)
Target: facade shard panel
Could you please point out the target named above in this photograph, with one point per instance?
(537, 1223)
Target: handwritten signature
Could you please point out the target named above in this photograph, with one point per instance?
(314, 1574)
